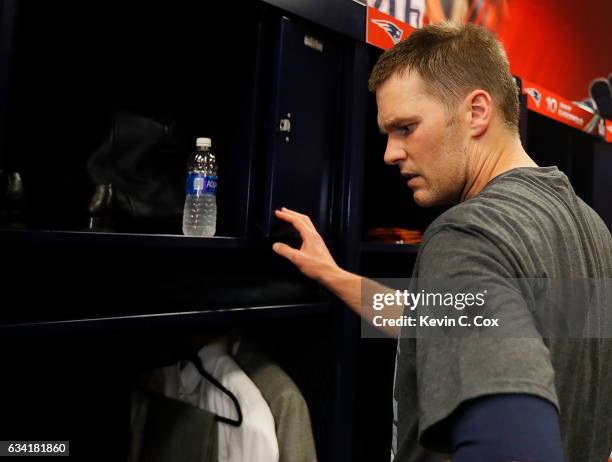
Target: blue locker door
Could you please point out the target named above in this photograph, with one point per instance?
(304, 126)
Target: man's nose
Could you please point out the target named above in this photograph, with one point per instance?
(393, 152)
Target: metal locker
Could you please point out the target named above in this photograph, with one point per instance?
(302, 135)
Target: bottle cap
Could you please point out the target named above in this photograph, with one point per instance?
(204, 142)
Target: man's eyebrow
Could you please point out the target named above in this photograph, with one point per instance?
(396, 123)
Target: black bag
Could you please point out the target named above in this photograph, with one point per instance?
(139, 176)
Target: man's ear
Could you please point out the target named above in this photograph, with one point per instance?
(480, 109)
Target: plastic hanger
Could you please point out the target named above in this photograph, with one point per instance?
(197, 362)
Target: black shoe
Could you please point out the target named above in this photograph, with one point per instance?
(101, 213)
(14, 202)
(601, 93)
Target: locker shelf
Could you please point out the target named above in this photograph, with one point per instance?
(84, 238)
(193, 318)
(382, 247)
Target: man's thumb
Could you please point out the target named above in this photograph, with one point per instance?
(284, 250)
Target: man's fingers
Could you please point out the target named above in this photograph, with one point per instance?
(297, 222)
(305, 218)
(295, 217)
(286, 251)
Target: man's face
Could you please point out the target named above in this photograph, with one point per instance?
(428, 149)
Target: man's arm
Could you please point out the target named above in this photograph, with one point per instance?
(314, 260)
(526, 420)
(506, 427)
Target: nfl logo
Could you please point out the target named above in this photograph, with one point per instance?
(394, 32)
(535, 94)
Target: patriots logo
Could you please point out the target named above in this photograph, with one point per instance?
(394, 32)
(535, 94)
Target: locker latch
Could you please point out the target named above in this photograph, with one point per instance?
(285, 126)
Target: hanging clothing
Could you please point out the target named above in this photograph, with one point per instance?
(289, 409)
(164, 429)
(254, 440)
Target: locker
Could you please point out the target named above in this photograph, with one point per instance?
(302, 129)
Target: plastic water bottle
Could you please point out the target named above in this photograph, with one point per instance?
(200, 212)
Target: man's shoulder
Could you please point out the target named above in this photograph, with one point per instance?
(533, 219)
(474, 214)
(518, 199)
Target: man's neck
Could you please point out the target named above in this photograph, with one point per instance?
(489, 159)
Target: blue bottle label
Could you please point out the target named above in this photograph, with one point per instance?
(199, 183)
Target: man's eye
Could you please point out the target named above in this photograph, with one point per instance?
(406, 129)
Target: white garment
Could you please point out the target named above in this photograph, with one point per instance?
(255, 440)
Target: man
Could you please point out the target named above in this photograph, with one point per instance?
(449, 106)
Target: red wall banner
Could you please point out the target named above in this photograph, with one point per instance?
(561, 45)
(562, 110)
(558, 46)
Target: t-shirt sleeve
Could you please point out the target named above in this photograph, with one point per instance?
(453, 369)
(529, 425)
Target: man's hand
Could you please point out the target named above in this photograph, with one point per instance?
(314, 260)
(313, 257)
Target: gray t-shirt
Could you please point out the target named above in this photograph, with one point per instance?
(526, 223)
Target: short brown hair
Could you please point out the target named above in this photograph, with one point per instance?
(452, 61)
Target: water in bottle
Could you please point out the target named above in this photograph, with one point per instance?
(200, 212)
